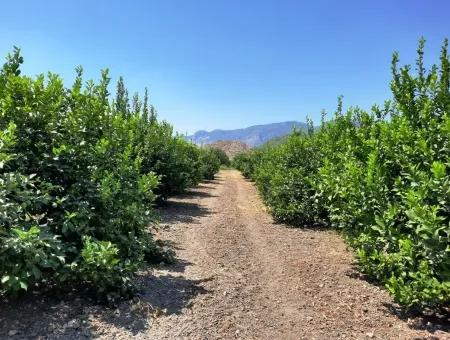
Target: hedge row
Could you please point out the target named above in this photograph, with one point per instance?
(381, 177)
(79, 174)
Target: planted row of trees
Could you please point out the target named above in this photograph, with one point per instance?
(79, 174)
(381, 177)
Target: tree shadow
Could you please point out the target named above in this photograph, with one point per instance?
(195, 194)
(429, 320)
(182, 212)
(168, 244)
(208, 187)
(179, 266)
(160, 295)
(355, 273)
(171, 293)
(55, 315)
(44, 314)
(217, 180)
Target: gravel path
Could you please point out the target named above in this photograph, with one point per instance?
(238, 276)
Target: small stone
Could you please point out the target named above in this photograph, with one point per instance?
(12, 332)
(73, 324)
(370, 335)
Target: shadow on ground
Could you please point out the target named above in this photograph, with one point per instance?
(195, 194)
(160, 295)
(187, 207)
(431, 321)
(46, 315)
(73, 316)
(182, 212)
(217, 180)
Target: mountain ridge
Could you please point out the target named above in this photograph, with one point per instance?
(253, 136)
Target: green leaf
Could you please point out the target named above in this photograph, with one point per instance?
(23, 285)
(36, 272)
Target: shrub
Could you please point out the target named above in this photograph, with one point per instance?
(101, 267)
(79, 175)
(381, 177)
(247, 162)
(28, 256)
(223, 158)
(210, 163)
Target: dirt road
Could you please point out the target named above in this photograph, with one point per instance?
(241, 276)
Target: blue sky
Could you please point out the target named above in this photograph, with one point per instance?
(229, 63)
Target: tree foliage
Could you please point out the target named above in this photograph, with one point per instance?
(223, 157)
(381, 177)
(79, 175)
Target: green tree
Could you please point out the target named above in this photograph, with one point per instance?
(122, 101)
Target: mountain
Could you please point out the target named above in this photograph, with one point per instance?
(252, 136)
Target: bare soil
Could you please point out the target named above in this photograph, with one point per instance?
(230, 147)
(238, 275)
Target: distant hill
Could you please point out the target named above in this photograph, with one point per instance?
(276, 140)
(230, 147)
(252, 136)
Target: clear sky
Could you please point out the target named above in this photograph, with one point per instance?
(229, 63)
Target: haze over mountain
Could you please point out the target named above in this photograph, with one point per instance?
(252, 136)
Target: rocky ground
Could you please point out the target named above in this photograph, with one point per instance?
(238, 275)
(230, 147)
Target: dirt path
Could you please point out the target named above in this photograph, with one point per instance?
(266, 281)
(240, 276)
